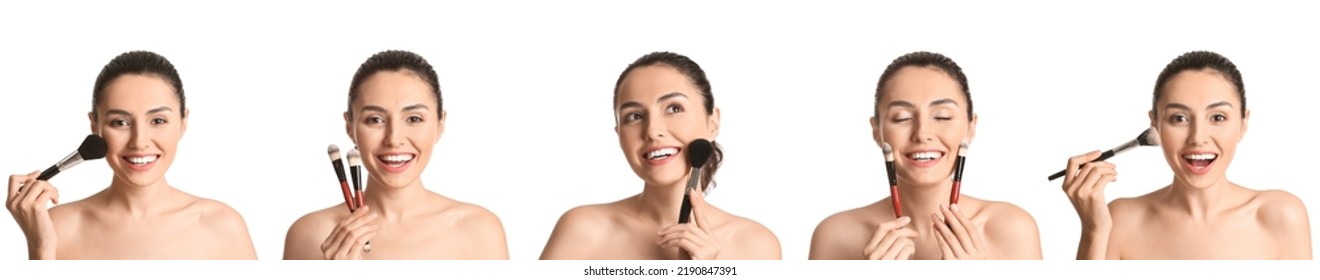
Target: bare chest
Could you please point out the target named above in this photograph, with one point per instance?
(1188, 240)
(140, 240)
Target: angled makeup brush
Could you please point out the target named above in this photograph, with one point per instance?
(957, 173)
(93, 147)
(1147, 138)
(355, 170)
(338, 164)
(698, 152)
(893, 179)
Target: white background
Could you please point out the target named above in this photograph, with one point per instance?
(528, 89)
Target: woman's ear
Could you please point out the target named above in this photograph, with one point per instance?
(713, 122)
(1151, 114)
(444, 115)
(971, 129)
(348, 127)
(183, 122)
(875, 130)
(91, 123)
(1246, 116)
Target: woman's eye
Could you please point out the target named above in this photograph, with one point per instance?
(902, 118)
(1219, 118)
(943, 118)
(158, 121)
(632, 117)
(118, 123)
(673, 109)
(414, 119)
(1178, 118)
(374, 120)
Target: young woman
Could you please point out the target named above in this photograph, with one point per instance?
(395, 117)
(662, 102)
(923, 110)
(138, 108)
(1200, 112)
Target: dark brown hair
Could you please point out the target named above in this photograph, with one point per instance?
(396, 60)
(140, 63)
(923, 59)
(1201, 60)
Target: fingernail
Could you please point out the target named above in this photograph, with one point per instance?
(904, 219)
(954, 207)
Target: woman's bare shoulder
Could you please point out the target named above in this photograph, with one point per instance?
(1007, 216)
(1281, 210)
(588, 219)
(753, 240)
(848, 222)
(319, 220)
(580, 227)
(477, 219)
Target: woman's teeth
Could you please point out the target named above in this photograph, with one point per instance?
(396, 159)
(661, 153)
(1200, 156)
(142, 160)
(925, 156)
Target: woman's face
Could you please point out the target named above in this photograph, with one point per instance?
(140, 119)
(923, 116)
(394, 123)
(1200, 122)
(658, 111)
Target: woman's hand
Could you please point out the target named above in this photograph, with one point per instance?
(959, 238)
(27, 203)
(695, 238)
(350, 235)
(892, 240)
(1085, 185)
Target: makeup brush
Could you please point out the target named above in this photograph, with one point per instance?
(698, 152)
(1147, 138)
(957, 172)
(355, 170)
(93, 147)
(893, 179)
(338, 164)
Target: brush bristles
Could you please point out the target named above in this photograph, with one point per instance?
(698, 152)
(93, 147)
(962, 148)
(889, 151)
(334, 152)
(1150, 137)
(354, 158)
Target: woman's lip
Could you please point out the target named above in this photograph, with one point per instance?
(390, 167)
(923, 164)
(139, 168)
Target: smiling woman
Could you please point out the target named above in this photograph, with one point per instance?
(662, 102)
(138, 108)
(395, 116)
(923, 113)
(1199, 109)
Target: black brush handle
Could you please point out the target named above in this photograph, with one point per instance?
(1103, 156)
(49, 173)
(685, 211)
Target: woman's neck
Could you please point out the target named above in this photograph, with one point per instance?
(1199, 202)
(138, 201)
(661, 203)
(392, 203)
(920, 201)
